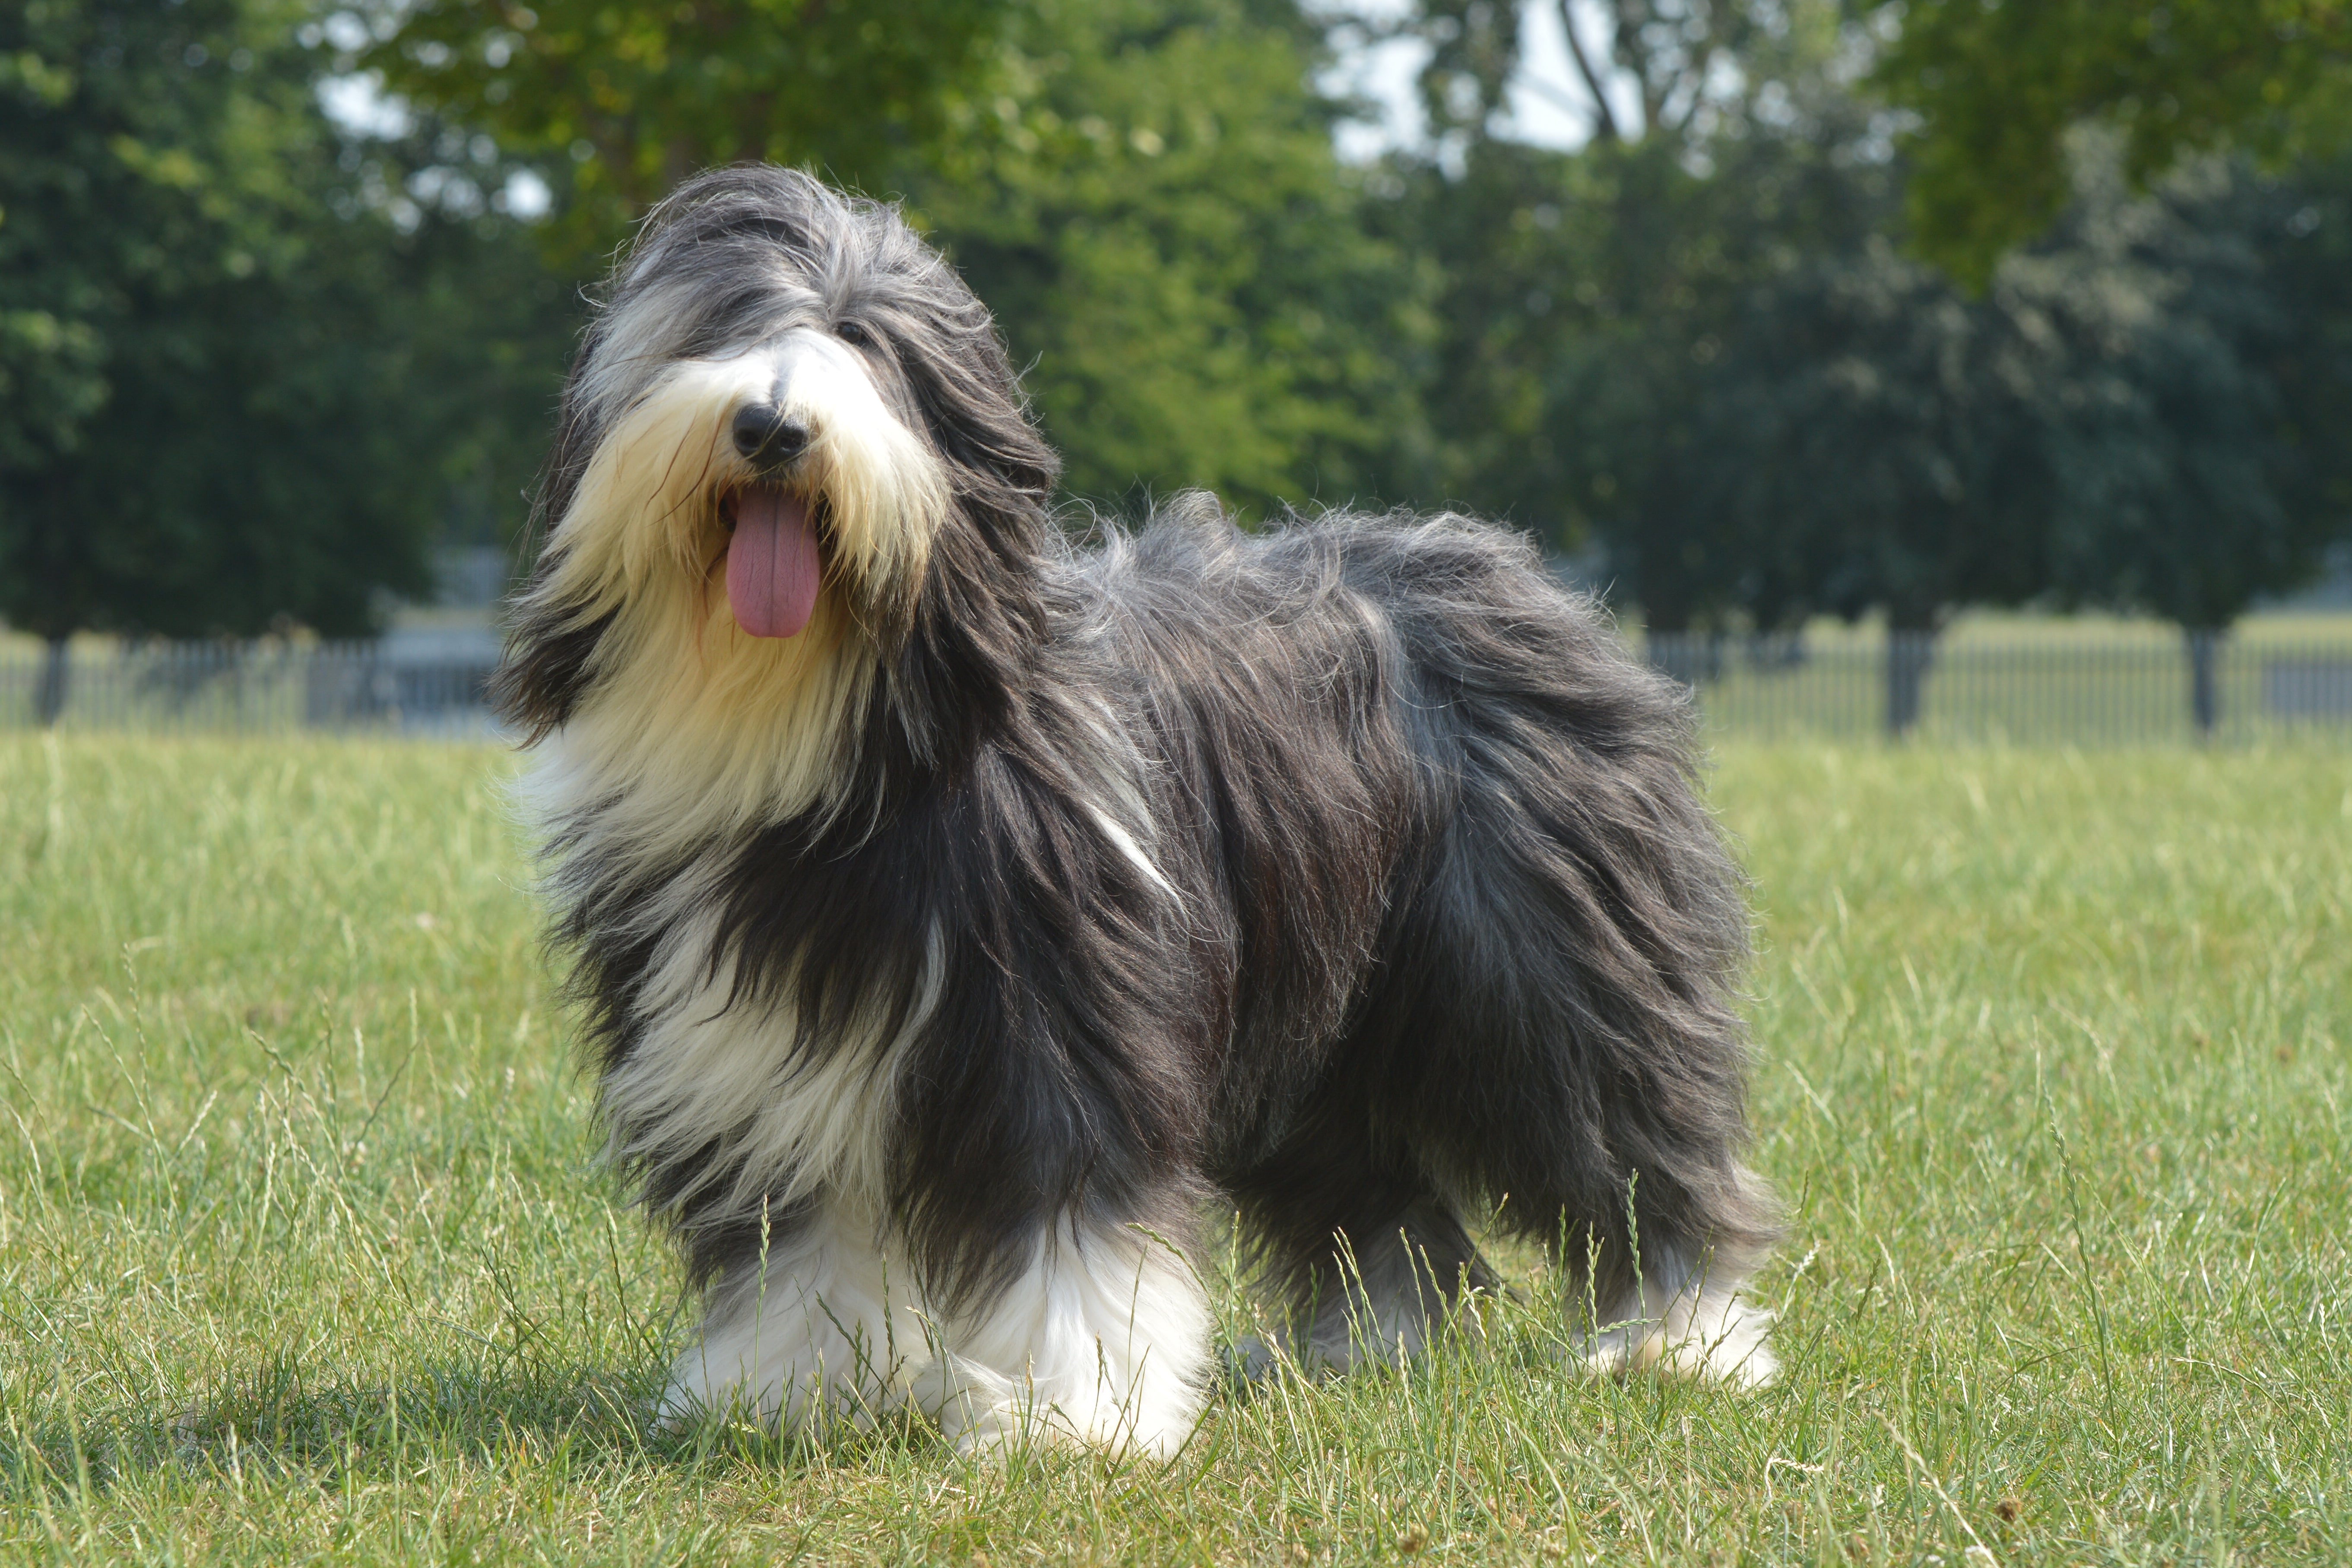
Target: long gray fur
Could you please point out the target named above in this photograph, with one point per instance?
(1428, 919)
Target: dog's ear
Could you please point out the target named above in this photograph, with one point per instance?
(549, 643)
(971, 406)
(957, 375)
(959, 647)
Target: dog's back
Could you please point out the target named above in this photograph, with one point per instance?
(1483, 934)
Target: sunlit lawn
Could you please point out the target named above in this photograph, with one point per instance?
(304, 1256)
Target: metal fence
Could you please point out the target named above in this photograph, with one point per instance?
(2093, 691)
(430, 686)
(2040, 690)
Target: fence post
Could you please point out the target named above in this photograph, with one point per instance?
(1908, 655)
(49, 697)
(2204, 691)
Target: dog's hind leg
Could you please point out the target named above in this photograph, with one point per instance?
(1562, 1041)
(1554, 1024)
(1682, 1313)
(1365, 1258)
(1382, 1290)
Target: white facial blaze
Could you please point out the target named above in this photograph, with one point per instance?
(647, 507)
(884, 489)
(692, 725)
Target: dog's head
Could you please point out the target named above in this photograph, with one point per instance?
(792, 451)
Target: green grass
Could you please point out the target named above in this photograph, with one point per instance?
(303, 1255)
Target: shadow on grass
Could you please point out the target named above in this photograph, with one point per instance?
(289, 1419)
(282, 1420)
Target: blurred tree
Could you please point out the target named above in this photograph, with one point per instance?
(1586, 299)
(1156, 217)
(2201, 464)
(1864, 441)
(1586, 295)
(1996, 88)
(1684, 71)
(1144, 191)
(1759, 412)
(224, 405)
(2128, 417)
(483, 328)
(635, 98)
(1695, 345)
(2300, 231)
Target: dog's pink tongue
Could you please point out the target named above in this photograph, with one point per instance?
(772, 563)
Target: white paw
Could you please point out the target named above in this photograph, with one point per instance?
(1718, 1339)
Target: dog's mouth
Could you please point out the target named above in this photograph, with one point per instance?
(775, 559)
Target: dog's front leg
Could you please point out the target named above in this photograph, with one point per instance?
(829, 1329)
(1103, 1339)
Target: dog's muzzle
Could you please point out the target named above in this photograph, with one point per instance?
(773, 563)
(767, 438)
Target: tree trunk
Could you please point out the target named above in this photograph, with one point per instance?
(1909, 653)
(49, 697)
(2204, 686)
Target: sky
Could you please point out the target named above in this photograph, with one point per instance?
(1549, 105)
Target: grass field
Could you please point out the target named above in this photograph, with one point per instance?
(303, 1256)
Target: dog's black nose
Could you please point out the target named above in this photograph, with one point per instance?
(767, 438)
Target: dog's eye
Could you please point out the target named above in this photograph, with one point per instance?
(851, 333)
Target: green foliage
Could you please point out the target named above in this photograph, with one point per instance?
(1688, 71)
(268, 358)
(232, 377)
(2191, 437)
(1861, 441)
(1997, 87)
(2302, 242)
(304, 1255)
(1702, 351)
(1593, 381)
(476, 330)
(1144, 192)
(103, 106)
(2111, 424)
(1155, 214)
(1589, 299)
(640, 97)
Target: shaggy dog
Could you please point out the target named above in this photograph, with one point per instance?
(961, 916)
